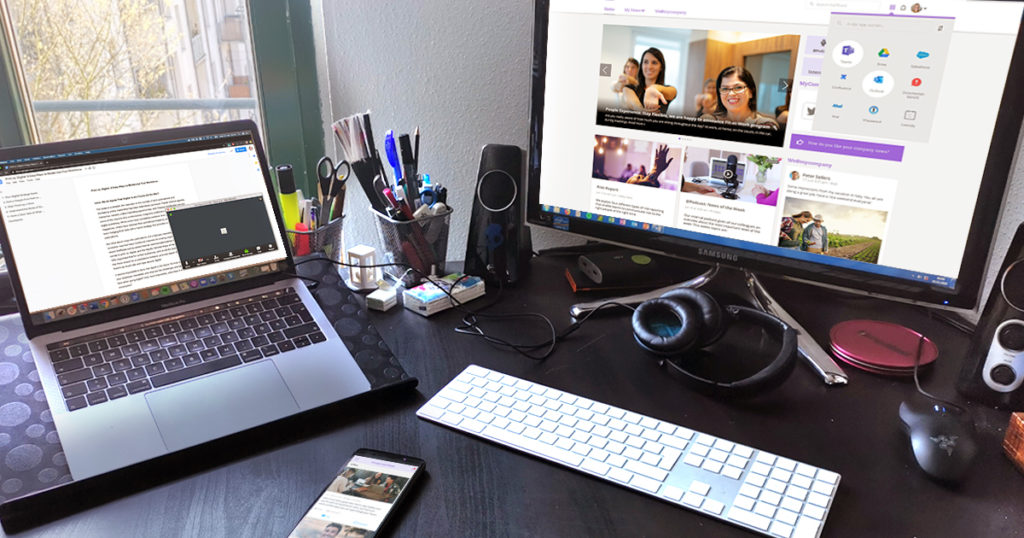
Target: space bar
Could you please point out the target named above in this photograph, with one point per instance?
(188, 373)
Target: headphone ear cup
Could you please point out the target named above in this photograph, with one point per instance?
(712, 324)
(666, 326)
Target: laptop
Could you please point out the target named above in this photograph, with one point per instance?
(157, 290)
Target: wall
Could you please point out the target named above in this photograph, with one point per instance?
(461, 71)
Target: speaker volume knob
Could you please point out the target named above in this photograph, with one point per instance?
(1011, 337)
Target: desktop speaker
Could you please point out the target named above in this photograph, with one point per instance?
(994, 370)
(499, 247)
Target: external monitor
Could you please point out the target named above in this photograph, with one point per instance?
(874, 140)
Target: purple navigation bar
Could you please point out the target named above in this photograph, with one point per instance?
(853, 148)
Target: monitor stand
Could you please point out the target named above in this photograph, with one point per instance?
(818, 358)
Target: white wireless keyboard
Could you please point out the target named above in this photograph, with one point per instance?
(744, 486)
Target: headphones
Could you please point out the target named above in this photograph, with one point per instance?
(685, 319)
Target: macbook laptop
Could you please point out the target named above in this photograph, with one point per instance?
(155, 284)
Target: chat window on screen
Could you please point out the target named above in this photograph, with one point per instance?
(224, 230)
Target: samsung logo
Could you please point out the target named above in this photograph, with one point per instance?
(717, 254)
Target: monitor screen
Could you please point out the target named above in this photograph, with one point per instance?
(865, 147)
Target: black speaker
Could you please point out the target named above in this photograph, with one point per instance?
(993, 371)
(729, 176)
(499, 246)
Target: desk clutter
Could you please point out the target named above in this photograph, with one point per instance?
(411, 211)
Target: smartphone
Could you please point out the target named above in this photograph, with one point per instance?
(362, 498)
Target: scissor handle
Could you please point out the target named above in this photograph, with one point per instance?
(320, 166)
(337, 171)
(428, 197)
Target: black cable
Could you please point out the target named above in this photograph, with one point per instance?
(471, 319)
(917, 382)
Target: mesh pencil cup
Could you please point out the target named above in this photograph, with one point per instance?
(327, 239)
(421, 244)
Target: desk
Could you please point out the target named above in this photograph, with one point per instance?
(261, 483)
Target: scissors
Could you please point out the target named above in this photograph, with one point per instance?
(329, 175)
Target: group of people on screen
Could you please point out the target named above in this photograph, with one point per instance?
(731, 97)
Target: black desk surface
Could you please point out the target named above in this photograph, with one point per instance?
(262, 483)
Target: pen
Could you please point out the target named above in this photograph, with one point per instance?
(391, 150)
(416, 150)
(409, 162)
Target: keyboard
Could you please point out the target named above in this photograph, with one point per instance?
(98, 368)
(751, 488)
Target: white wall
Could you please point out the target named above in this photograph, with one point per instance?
(461, 71)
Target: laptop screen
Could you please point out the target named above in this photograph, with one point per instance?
(107, 227)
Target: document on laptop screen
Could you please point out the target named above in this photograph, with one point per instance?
(138, 224)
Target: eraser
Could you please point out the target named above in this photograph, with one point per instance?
(382, 299)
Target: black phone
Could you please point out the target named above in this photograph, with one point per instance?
(363, 496)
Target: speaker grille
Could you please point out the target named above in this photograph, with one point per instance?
(1012, 285)
(496, 190)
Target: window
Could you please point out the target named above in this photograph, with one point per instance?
(130, 65)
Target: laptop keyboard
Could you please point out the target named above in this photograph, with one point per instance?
(102, 367)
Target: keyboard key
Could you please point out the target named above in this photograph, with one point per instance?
(96, 384)
(75, 376)
(96, 397)
(188, 373)
(60, 354)
(135, 374)
(71, 391)
(749, 518)
(119, 378)
(136, 387)
(114, 393)
(68, 365)
(76, 403)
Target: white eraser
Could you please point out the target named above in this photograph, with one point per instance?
(382, 299)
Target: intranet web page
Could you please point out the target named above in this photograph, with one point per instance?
(850, 136)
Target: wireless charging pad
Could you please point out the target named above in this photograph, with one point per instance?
(881, 347)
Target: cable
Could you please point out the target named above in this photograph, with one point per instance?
(917, 382)
(471, 318)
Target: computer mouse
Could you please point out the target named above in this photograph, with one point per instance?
(942, 439)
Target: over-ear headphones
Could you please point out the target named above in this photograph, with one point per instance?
(685, 319)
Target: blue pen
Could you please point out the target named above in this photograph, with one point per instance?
(392, 152)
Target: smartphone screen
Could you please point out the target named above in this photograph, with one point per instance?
(361, 498)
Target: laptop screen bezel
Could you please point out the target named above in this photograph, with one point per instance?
(285, 266)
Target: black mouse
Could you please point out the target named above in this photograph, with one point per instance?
(941, 438)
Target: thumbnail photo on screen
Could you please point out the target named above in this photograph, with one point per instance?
(637, 162)
(713, 84)
(311, 527)
(375, 486)
(743, 177)
(840, 231)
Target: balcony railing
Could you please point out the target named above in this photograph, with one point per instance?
(114, 105)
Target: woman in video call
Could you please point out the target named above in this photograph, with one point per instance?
(650, 93)
(737, 99)
(628, 79)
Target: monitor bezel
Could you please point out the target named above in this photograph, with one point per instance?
(974, 264)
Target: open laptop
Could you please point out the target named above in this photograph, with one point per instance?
(154, 280)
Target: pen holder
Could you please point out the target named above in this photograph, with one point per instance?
(421, 244)
(327, 239)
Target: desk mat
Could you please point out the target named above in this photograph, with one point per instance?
(30, 451)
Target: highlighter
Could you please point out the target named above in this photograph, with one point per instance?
(288, 198)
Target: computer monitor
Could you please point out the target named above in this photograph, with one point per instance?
(873, 141)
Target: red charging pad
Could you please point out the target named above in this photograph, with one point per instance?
(881, 347)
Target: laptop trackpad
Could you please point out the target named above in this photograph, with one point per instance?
(221, 404)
